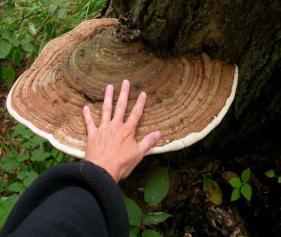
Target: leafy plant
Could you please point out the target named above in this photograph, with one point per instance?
(6, 205)
(156, 190)
(26, 157)
(150, 233)
(272, 174)
(157, 187)
(241, 186)
(212, 191)
(26, 26)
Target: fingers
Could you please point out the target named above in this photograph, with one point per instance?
(107, 104)
(122, 102)
(149, 141)
(137, 111)
(90, 124)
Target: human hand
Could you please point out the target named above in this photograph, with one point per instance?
(112, 145)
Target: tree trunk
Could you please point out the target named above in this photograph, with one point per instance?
(247, 33)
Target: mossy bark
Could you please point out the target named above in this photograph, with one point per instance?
(247, 33)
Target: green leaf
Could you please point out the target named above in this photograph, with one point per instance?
(38, 140)
(245, 175)
(40, 155)
(212, 191)
(53, 7)
(32, 29)
(16, 187)
(26, 144)
(22, 131)
(246, 191)
(23, 157)
(28, 47)
(31, 176)
(154, 218)
(5, 48)
(62, 13)
(55, 152)
(60, 157)
(279, 179)
(9, 35)
(15, 56)
(235, 182)
(6, 205)
(150, 233)
(235, 195)
(134, 230)
(50, 29)
(270, 173)
(8, 164)
(49, 163)
(22, 174)
(135, 213)
(157, 187)
(18, 130)
(8, 74)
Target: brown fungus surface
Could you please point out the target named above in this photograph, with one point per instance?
(184, 95)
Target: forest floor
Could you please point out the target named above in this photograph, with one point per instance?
(193, 214)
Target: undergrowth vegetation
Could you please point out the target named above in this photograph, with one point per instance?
(155, 191)
(26, 156)
(25, 28)
(27, 25)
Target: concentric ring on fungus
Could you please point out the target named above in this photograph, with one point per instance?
(187, 98)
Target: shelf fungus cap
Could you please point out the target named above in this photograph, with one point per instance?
(187, 97)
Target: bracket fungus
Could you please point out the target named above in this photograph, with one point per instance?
(187, 98)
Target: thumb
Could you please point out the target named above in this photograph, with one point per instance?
(149, 141)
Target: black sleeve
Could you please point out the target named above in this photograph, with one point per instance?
(78, 199)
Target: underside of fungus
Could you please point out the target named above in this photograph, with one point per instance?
(187, 98)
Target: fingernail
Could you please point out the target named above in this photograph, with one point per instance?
(157, 135)
(85, 107)
(126, 82)
(110, 87)
(143, 94)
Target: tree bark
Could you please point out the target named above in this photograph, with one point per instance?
(247, 33)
